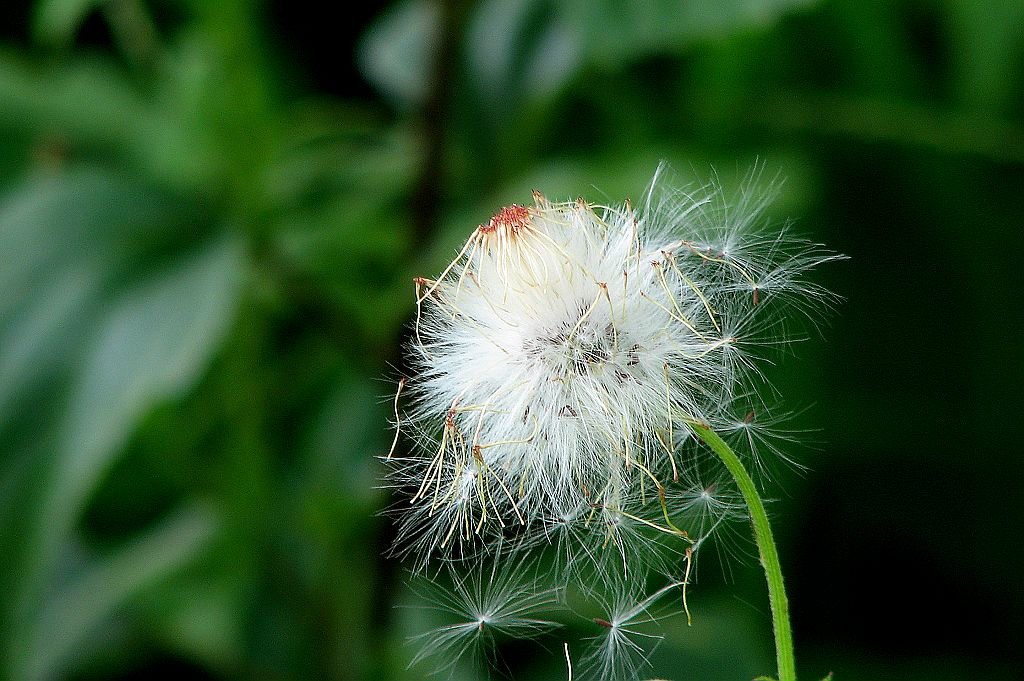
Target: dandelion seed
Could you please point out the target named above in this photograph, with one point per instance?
(480, 607)
(626, 641)
(708, 504)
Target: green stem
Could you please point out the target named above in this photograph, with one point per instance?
(766, 547)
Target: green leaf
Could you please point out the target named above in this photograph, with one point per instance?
(340, 448)
(116, 297)
(395, 54)
(150, 346)
(526, 51)
(615, 30)
(75, 613)
(63, 241)
(521, 50)
(350, 247)
(55, 22)
(91, 103)
(988, 46)
(339, 192)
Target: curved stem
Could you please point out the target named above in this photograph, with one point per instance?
(766, 548)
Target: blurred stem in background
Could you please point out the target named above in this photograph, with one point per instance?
(430, 189)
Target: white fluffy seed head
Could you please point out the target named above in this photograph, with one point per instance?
(561, 357)
(559, 364)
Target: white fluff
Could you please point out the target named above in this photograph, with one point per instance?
(562, 355)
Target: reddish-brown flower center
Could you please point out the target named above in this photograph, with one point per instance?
(510, 219)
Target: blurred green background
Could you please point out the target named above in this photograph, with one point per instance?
(210, 214)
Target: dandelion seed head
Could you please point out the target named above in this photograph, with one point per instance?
(559, 365)
(568, 343)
